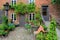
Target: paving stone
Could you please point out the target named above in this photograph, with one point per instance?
(20, 33)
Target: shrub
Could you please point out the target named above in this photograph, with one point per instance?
(11, 26)
(45, 28)
(52, 32)
(27, 26)
(40, 36)
(1, 32)
(5, 20)
(1, 27)
(5, 33)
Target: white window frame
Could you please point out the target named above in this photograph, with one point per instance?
(31, 16)
(13, 17)
(13, 2)
(31, 1)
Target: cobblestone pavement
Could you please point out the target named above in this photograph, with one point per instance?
(20, 33)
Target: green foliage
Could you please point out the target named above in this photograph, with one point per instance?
(11, 26)
(35, 22)
(27, 26)
(3, 29)
(1, 32)
(55, 1)
(38, 17)
(23, 8)
(31, 8)
(20, 8)
(5, 20)
(5, 33)
(40, 36)
(5, 26)
(44, 26)
(52, 32)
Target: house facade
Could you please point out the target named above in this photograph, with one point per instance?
(47, 9)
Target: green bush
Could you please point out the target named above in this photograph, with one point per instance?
(40, 36)
(52, 32)
(1, 27)
(27, 26)
(44, 26)
(5, 33)
(5, 27)
(11, 26)
(5, 20)
(1, 32)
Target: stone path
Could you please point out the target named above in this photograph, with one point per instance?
(20, 33)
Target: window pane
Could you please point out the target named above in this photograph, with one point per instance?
(33, 16)
(13, 2)
(30, 16)
(31, 1)
(14, 16)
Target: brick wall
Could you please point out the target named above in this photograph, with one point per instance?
(53, 9)
(2, 2)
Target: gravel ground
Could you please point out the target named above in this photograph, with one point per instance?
(20, 33)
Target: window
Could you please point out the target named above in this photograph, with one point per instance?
(31, 1)
(13, 2)
(44, 10)
(31, 16)
(13, 16)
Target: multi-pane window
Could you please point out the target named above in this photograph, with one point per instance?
(31, 1)
(13, 16)
(31, 16)
(13, 2)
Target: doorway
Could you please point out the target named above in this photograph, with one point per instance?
(45, 13)
(22, 20)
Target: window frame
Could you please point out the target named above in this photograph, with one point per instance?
(13, 17)
(45, 9)
(13, 2)
(31, 1)
(32, 16)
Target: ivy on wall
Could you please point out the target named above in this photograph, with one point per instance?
(23, 8)
(55, 1)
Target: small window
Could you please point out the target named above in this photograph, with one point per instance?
(32, 16)
(13, 2)
(44, 10)
(13, 16)
(31, 1)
